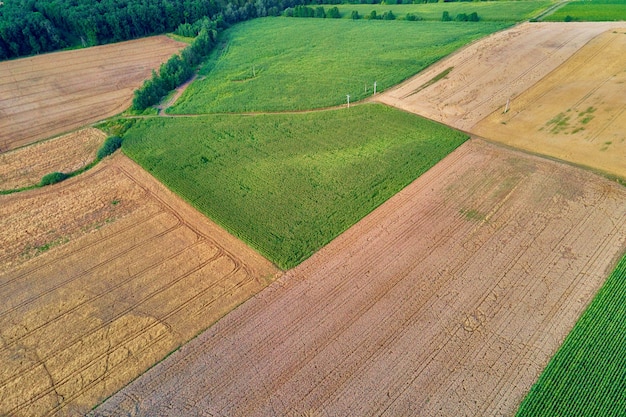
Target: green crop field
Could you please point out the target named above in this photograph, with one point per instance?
(496, 11)
(276, 64)
(287, 184)
(590, 11)
(587, 376)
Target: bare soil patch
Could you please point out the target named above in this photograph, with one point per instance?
(101, 276)
(577, 113)
(46, 95)
(448, 300)
(469, 85)
(25, 166)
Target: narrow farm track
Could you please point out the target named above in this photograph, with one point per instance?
(124, 294)
(449, 299)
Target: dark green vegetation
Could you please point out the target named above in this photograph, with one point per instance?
(110, 145)
(288, 184)
(590, 11)
(494, 11)
(178, 69)
(275, 64)
(53, 178)
(587, 376)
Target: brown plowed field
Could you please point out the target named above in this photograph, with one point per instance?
(25, 166)
(46, 95)
(485, 74)
(101, 276)
(577, 113)
(448, 300)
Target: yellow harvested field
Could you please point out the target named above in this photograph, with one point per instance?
(577, 113)
(101, 276)
(475, 81)
(447, 300)
(46, 95)
(25, 166)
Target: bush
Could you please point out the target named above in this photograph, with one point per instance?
(411, 17)
(445, 17)
(109, 146)
(53, 178)
(389, 15)
(355, 15)
(333, 13)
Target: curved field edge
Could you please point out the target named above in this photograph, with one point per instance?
(278, 64)
(587, 376)
(24, 167)
(288, 184)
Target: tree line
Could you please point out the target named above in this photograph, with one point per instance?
(178, 69)
(29, 27)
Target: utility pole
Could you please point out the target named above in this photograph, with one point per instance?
(506, 109)
(253, 72)
(374, 87)
(348, 96)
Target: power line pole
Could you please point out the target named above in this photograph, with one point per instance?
(348, 96)
(374, 87)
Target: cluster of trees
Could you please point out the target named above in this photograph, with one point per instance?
(306, 11)
(461, 17)
(178, 69)
(30, 27)
(374, 16)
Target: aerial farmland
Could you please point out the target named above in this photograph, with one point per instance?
(352, 209)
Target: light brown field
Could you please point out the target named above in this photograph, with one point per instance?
(25, 166)
(46, 95)
(577, 113)
(101, 276)
(448, 300)
(485, 74)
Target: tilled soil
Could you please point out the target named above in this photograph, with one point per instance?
(448, 300)
(101, 276)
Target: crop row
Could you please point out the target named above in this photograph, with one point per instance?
(587, 376)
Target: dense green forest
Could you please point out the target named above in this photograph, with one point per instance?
(30, 27)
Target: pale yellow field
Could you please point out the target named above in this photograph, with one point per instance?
(25, 166)
(577, 113)
(101, 276)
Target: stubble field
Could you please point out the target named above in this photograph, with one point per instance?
(25, 166)
(49, 94)
(577, 113)
(449, 299)
(472, 83)
(101, 276)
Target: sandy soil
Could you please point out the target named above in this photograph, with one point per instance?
(101, 276)
(484, 75)
(46, 95)
(577, 113)
(25, 166)
(448, 300)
